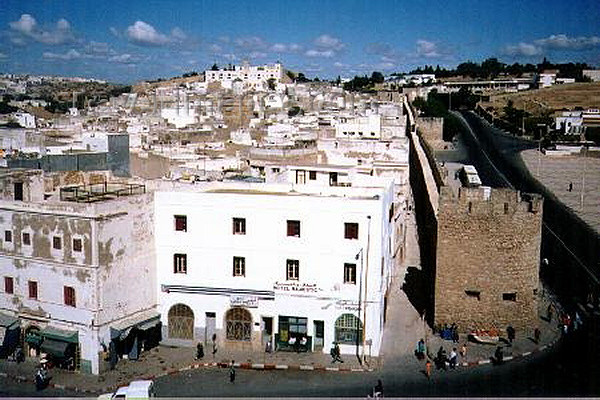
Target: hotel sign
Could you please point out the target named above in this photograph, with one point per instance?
(296, 287)
(243, 301)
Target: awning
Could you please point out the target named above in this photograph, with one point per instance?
(33, 338)
(7, 321)
(62, 335)
(56, 348)
(144, 321)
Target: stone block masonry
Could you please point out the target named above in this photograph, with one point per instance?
(488, 252)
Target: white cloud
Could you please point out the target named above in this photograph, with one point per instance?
(286, 48)
(144, 34)
(329, 42)
(2, 56)
(562, 41)
(338, 64)
(257, 54)
(522, 49)
(178, 34)
(426, 48)
(69, 55)
(27, 27)
(114, 31)
(320, 53)
(251, 43)
(122, 58)
(215, 48)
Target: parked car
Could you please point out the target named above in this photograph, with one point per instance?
(137, 390)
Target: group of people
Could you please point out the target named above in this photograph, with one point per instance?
(442, 360)
(450, 333)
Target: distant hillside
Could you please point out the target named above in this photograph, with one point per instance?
(555, 98)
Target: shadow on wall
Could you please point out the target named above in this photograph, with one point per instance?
(416, 287)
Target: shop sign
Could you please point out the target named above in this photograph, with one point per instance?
(243, 301)
(346, 305)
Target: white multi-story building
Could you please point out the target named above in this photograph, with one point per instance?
(368, 127)
(287, 264)
(253, 77)
(67, 269)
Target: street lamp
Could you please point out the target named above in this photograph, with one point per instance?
(356, 257)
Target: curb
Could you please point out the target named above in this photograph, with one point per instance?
(265, 367)
(515, 356)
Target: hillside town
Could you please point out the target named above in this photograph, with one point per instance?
(241, 209)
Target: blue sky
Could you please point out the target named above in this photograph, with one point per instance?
(131, 40)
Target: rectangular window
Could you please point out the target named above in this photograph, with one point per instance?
(474, 294)
(69, 294)
(350, 230)
(56, 243)
(312, 175)
(239, 226)
(180, 223)
(292, 270)
(300, 176)
(26, 239)
(179, 263)
(33, 289)
(9, 286)
(505, 208)
(239, 266)
(293, 228)
(391, 212)
(509, 296)
(8, 236)
(350, 273)
(333, 179)
(77, 245)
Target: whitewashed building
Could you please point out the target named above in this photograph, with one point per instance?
(253, 77)
(290, 264)
(67, 267)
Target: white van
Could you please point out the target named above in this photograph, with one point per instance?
(137, 390)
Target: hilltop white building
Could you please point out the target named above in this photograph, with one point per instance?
(253, 77)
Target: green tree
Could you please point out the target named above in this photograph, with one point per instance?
(377, 77)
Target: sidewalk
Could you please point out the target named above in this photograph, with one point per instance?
(166, 360)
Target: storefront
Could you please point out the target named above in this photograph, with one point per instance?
(293, 334)
(133, 335)
(10, 331)
(61, 347)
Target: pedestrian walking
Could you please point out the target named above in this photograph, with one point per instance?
(510, 332)
(549, 312)
(335, 354)
(199, 351)
(536, 335)
(453, 358)
(232, 372)
(428, 369)
(420, 350)
(570, 186)
(463, 350)
(498, 356)
(214, 344)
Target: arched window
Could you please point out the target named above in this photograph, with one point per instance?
(239, 324)
(181, 322)
(348, 329)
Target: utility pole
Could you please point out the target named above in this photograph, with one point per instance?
(583, 175)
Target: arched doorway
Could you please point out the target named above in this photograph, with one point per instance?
(239, 324)
(32, 340)
(181, 322)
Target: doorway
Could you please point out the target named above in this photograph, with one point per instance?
(19, 191)
(267, 332)
(319, 335)
(210, 327)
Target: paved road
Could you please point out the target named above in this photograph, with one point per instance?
(561, 372)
